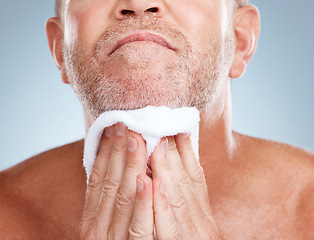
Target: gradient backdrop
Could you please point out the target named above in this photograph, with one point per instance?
(274, 100)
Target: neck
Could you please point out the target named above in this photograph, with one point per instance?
(216, 140)
(218, 148)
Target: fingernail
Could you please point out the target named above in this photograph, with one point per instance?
(164, 145)
(132, 144)
(121, 129)
(162, 188)
(187, 135)
(109, 131)
(139, 185)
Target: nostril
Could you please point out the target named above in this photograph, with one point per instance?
(127, 12)
(153, 10)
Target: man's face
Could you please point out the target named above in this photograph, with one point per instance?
(175, 53)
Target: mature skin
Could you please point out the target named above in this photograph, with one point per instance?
(255, 189)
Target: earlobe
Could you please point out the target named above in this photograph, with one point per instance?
(55, 35)
(246, 30)
(238, 66)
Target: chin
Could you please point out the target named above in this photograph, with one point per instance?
(133, 100)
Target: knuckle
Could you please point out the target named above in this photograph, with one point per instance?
(199, 176)
(87, 218)
(104, 152)
(133, 163)
(119, 147)
(94, 180)
(203, 185)
(190, 150)
(135, 232)
(141, 206)
(185, 182)
(111, 186)
(123, 200)
(175, 233)
(178, 202)
(164, 164)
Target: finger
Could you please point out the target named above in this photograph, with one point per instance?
(142, 224)
(165, 223)
(194, 170)
(97, 176)
(124, 207)
(161, 168)
(183, 180)
(113, 179)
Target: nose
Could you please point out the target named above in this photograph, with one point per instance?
(128, 8)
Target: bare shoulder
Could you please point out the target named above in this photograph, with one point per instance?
(276, 155)
(16, 221)
(33, 194)
(290, 177)
(288, 162)
(300, 169)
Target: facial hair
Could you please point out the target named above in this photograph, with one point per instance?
(136, 78)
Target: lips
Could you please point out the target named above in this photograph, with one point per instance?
(142, 37)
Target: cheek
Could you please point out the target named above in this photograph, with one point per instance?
(85, 21)
(200, 20)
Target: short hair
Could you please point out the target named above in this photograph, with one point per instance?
(59, 6)
(239, 3)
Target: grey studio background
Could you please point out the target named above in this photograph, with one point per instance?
(274, 100)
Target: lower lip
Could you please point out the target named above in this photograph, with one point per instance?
(140, 42)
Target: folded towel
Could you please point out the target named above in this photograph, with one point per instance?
(152, 123)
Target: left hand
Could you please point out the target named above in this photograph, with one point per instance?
(180, 198)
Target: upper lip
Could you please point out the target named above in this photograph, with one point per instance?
(142, 36)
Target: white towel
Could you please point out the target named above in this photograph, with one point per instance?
(152, 123)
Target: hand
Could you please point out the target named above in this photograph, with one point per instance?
(183, 212)
(110, 210)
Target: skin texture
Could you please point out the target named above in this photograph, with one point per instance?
(245, 188)
(144, 73)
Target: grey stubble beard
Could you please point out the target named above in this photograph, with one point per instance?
(193, 81)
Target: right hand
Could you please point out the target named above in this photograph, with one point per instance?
(110, 208)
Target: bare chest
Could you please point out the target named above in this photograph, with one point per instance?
(269, 221)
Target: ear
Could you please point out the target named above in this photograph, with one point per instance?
(247, 29)
(54, 32)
